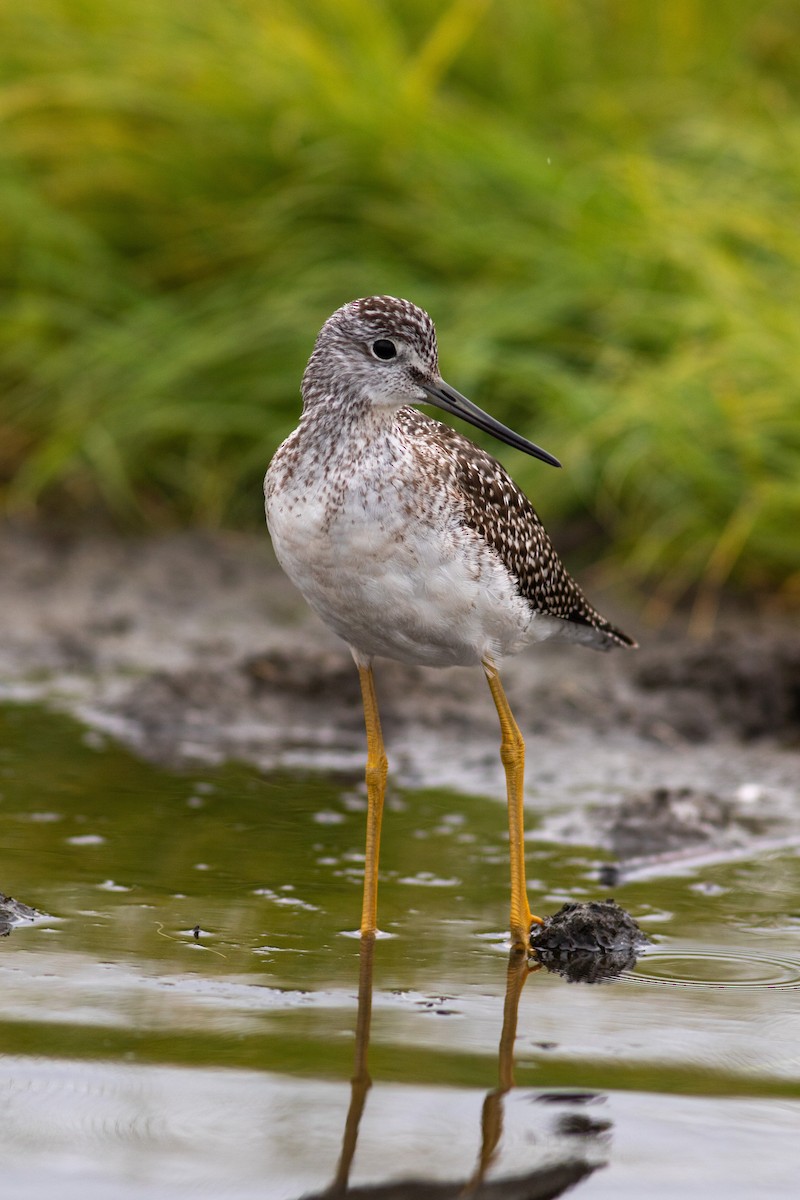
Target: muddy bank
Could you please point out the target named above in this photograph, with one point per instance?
(196, 647)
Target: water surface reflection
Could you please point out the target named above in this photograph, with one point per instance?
(540, 1183)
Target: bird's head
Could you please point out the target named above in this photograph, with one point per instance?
(382, 351)
(378, 349)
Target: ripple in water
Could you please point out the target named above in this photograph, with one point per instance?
(706, 968)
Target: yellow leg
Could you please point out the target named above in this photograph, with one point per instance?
(512, 753)
(376, 787)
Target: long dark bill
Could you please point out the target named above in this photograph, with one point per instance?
(443, 396)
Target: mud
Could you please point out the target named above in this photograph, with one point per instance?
(196, 647)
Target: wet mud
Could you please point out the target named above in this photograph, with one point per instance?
(195, 647)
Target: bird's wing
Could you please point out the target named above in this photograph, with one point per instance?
(500, 513)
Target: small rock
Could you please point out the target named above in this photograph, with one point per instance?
(588, 942)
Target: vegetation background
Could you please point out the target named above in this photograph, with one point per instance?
(597, 200)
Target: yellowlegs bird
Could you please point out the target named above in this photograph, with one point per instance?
(412, 543)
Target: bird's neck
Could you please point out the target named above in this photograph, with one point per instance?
(347, 429)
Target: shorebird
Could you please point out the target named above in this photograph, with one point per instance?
(413, 543)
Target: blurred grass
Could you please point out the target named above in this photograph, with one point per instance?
(596, 200)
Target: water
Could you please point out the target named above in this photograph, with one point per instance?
(144, 1059)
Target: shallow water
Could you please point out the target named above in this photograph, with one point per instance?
(144, 1060)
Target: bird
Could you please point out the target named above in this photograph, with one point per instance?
(412, 543)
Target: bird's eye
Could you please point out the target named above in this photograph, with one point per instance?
(384, 349)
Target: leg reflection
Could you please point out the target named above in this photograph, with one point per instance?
(492, 1115)
(361, 1082)
(542, 1183)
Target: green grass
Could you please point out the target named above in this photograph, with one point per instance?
(596, 200)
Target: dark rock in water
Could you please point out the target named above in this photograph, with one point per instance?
(588, 942)
(13, 912)
(601, 926)
(608, 874)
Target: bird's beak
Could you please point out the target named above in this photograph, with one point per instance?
(443, 396)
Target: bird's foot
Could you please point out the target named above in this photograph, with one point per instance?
(521, 932)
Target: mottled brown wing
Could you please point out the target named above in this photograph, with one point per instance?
(504, 517)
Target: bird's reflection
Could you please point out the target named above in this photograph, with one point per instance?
(541, 1184)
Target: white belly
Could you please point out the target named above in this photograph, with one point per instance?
(419, 589)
